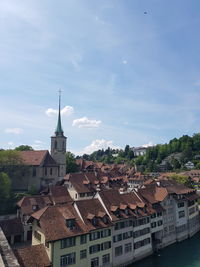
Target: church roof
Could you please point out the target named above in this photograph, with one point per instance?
(37, 157)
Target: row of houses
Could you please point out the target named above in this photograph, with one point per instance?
(109, 228)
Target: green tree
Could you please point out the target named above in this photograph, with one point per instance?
(175, 164)
(182, 179)
(5, 186)
(71, 165)
(198, 166)
(23, 148)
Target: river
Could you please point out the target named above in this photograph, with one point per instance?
(183, 254)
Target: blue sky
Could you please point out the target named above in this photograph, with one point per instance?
(127, 77)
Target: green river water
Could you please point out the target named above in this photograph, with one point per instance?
(183, 254)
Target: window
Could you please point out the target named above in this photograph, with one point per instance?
(127, 247)
(105, 219)
(106, 245)
(191, 203)
(45, 171)
(181, 214)
(153, 225)
(34, 207)
(118, 251)
(105, 233)
(37, 235)
(70, 224)
(127, 235)
(68, 242)
(141, 232)
(95, 248)
(94, 221)
(142, 243)
(171, 228)
(105, 259)
(51, 171)
(160, 223)
(34, 171)
(170, 210)
(117, 238)
(191, 210)
(63, 145)
(82, 194)
(68, 259)
(83, 239)
(124, 224)
(95, 262)
(153, 215)
(95, 235)
(83, 254)
(181, 204)
(159, 214)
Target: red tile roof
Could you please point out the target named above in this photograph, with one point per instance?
(26, 204)
(153, 193)
(52, 221)
(94, 209)
(33, 256)
(36, 157)
(59, 194)
(12, 227)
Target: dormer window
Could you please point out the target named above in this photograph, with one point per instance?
(126, 212)
(70, 224)
(94, 221)
(34, 207)
(105, 219)
(116, 213)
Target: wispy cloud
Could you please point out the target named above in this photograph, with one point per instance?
(86, 123)
(14, 130)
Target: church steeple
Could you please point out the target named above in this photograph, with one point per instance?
(58, 145)
(59, 130)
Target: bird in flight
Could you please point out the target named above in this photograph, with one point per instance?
(145, 12)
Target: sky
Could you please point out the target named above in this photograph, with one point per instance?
(129, 71)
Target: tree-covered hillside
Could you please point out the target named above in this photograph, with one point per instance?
(171, 156)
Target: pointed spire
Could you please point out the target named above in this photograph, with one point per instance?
(59, 130)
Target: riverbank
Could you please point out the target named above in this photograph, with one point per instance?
(182, 254)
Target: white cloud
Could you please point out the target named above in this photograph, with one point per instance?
(38, 142)
(125, 62)
(38, 145)
(51, 112)
(86, 123)
(66, 111)
(14, 130)
(96, 145)
(10, 143)
(149, 144)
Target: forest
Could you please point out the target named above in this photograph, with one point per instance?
(172, 155)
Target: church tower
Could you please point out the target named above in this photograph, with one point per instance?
(58, 145)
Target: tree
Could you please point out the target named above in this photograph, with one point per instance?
(23, 148)
(71, 165)
(198, 166)
(5, 186)
(182, 179)
(175, 164)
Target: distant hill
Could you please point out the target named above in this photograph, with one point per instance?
(162, 157)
